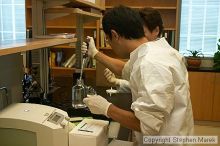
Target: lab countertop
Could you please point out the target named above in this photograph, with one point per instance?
(203, 69)
(121, 100)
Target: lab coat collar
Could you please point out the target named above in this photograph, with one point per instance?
(138, 52)
(160, 42)
(138, 49)
(143, 49)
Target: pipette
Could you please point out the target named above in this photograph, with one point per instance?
(82, 67)
(83, 60)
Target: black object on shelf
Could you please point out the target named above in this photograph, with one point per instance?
(29, 33)
(84, 112)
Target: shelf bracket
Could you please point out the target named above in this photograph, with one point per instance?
(79, 34)
(51, 16)
(54, 3)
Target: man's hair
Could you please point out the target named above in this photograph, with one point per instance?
(125, 21)
(152, 19)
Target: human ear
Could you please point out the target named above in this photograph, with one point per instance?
(114, 34)
(156, 31)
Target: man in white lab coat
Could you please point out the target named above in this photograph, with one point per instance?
(153, 28)
(158, 80)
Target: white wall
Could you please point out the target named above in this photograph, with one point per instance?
(11, 76)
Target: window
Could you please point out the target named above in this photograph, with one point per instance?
(200, 26)
(12, 19)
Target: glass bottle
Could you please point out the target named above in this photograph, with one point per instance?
(90, 90)
(78, 94)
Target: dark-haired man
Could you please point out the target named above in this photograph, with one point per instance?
(153, 28)
(158, 80)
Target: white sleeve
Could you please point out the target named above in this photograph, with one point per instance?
(124, 87)
(155, 96)
(126, 71)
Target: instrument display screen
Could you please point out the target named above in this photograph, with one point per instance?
(56, 118)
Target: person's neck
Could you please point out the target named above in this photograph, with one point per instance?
(134, 44)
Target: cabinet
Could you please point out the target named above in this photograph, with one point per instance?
(205, 97)
(216, 99)
(66, 16)
(69, 16)
(201, 93)
(67, 23)
(11, 63)
(169, 10)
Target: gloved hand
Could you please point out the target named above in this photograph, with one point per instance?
(92, 51)
(97, 104)
(110, 76)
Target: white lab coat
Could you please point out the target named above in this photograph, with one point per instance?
(124, 86)
(126, 71)
(160, 91)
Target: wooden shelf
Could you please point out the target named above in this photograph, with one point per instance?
(64, 47)
(83, 3)
(70, 27)
(66, 27)
(105, 48)
(29, 26)
(80, 4)
(140, 7)
(67, 11)
(73, 69)
(62, 71)
(166, 28)
(11, 47)
(143, 3)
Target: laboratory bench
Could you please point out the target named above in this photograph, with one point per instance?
(64, 102)
(204, 93)
(121, 100)
(203, 69)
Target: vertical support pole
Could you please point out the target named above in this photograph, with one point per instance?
(98, 33)
(39, 28)
(178, 19)
(80, 34)
(37, 17)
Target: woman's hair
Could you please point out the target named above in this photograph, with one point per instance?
(152, 18)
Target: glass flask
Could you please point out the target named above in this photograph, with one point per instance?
(90, 90)
(78, 94)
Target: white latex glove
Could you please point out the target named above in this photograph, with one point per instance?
(84, 48)
(92, 51)
(97, 104)
(123, 86)
(110, 76)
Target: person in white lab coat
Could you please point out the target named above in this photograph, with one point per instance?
(158, 80)
(153, 28)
